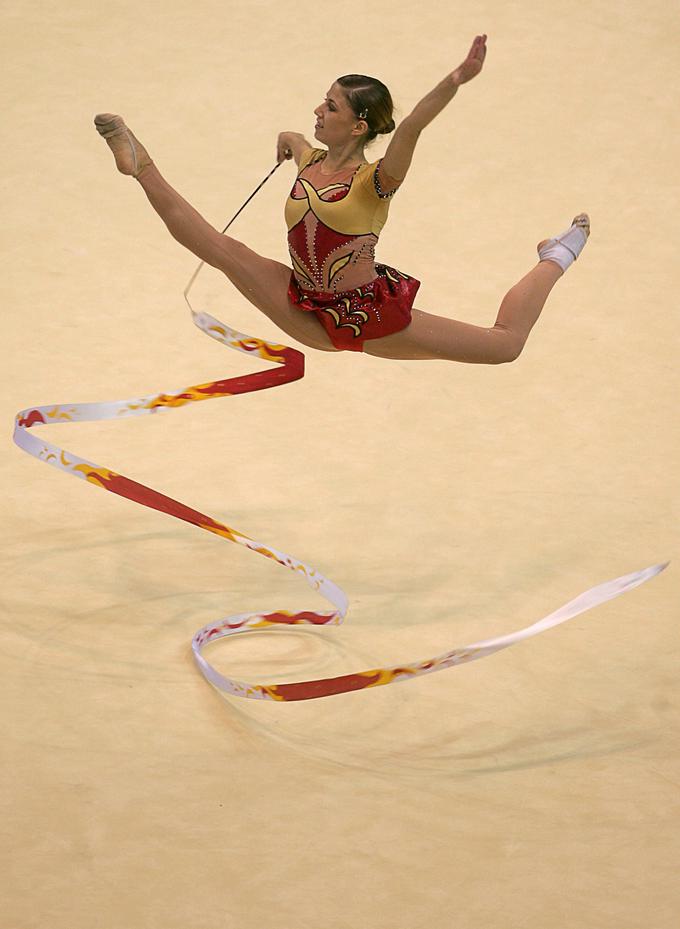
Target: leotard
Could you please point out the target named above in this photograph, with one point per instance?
(334, 222)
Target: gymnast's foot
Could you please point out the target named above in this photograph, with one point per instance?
(567, 246)
(131, 156)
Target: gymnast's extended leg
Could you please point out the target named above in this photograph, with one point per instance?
(437, 337)
(262, 281)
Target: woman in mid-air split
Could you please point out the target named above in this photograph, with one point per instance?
(335, 297)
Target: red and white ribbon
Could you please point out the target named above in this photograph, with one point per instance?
(291, 368)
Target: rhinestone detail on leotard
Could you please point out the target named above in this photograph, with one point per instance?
(378, 188)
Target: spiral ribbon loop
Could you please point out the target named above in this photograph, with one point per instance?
(291, 368)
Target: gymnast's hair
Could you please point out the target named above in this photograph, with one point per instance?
(369, 99)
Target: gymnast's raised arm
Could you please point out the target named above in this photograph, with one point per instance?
(400, 151)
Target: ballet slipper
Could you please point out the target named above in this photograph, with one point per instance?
(566, 247)
(131, 156)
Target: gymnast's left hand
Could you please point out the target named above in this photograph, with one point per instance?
(473, 63)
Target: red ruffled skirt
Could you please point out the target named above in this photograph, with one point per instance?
(379, 308)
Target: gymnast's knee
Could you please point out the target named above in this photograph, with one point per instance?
(508, 346)
(228, 255)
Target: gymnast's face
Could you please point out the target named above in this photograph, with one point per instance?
(336, 123)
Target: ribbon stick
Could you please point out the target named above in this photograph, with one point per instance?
(291, 368)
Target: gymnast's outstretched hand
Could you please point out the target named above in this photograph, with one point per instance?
(473, 63)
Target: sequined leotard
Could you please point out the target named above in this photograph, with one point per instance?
(333, 225)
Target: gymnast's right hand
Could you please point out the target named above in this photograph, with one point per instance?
(283, 149)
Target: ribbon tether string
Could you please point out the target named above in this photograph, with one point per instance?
(291, 368)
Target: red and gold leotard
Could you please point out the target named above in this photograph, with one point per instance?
(334, 221)
(333, 225)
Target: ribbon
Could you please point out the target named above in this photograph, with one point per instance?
(292, 369)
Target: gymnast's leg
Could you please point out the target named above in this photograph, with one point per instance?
(262, 281)
(432, 337)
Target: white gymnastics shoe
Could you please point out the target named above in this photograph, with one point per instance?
(566, 247)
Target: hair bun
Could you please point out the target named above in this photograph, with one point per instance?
(369, 99)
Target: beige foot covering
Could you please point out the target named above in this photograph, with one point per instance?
(131, 156)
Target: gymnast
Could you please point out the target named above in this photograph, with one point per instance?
(336, 297)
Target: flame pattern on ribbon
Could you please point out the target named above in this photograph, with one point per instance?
(291, 364)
